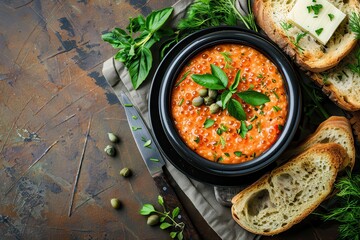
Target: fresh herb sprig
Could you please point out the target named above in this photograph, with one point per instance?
(218, 80)
(135, 51)
(212, 13)
(355, 68)
(177, 227)
(354, 23)
(347, 212)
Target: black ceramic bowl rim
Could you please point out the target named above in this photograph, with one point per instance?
(272, 52)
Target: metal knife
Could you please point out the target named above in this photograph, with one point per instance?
(155, 163)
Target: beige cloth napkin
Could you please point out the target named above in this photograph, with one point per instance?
(202, 195)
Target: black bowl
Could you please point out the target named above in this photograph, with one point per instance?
(172, 146)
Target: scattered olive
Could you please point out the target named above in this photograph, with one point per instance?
(212, 93)
(198, 101)
(125, 172)
(203, 92)
(113, 138)
(214, 108)
(115, 203)
(110, 150)
(153, 220)
(208, 101)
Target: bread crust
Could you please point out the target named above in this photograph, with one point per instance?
(314, 61)
(337, 125)
(243, 200)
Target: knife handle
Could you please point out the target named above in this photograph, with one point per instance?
(171, 201)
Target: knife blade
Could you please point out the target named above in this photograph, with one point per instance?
(155, 164)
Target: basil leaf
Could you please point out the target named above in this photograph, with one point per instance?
(253, 97)
(157, 18)
(136, 24)
(235, 109)
(220, 74)
(140, 67)
(236, 82)
(225, 97)
(118, 38)
(208, 123)
(208, 81)
(238, 153)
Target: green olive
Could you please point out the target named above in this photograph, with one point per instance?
(213, 94)
(198, 101)
(214, 108)
(113, 138)
(153, 220)
(115, 203)
(125, 172)
(110, 150)
(208, 101)
(203, 92)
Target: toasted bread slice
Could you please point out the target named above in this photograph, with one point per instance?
(335, 129)
(307, 52)
(341, 84)
(289, 193)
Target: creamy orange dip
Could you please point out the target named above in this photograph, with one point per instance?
(221, 142)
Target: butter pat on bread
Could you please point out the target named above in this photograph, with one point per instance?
(319, 18)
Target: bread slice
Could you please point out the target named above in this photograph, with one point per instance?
(308, 53)
(289, 193)
(341, 84)
(336, 129)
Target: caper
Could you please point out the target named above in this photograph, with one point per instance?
(153, 220)
(198, 101)
(113, 138)
(203, 92)
(125, 172)
(110, 150)
(214, 108)
(212, 93)
(115, 203)
(208, 101)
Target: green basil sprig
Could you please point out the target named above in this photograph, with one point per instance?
(135, 52)
(218, 80)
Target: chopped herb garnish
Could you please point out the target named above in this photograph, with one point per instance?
(238, 153)
(197, 140)
(276, 95)
(258, 126)
(286, 26)
(355, 68)
(181, 101)
(135, 128)
(280, 127)
(260, 75)
(227, 154)
(220, 159)
(128, 105)
(148, 143)
(319, 31)
(134, 117)
(227, 57)
(208, 123)
(182, 78)
(276, 108)
(253, 118)
(253, 155)
(223, 142)
(243, 129)
(331, 16)
(154, 160)
(219, 131)
(315, 8)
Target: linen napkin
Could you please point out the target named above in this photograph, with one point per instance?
(201, 195)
